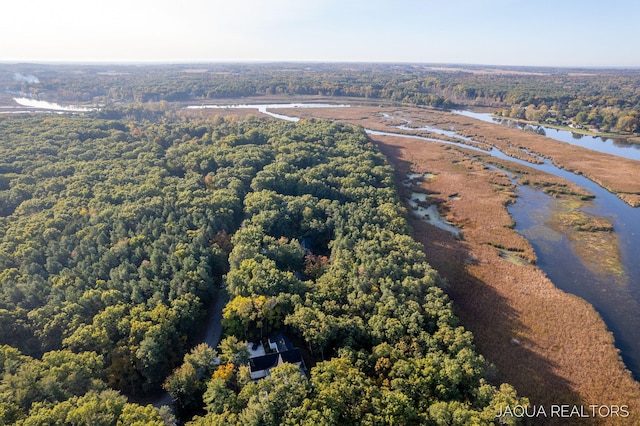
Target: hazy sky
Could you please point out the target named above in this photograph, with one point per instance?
(500, 32)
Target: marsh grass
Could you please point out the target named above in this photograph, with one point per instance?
(591, 237)
(552, 346)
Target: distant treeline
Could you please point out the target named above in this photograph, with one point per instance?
(607, 100)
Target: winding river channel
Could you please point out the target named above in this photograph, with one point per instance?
(615, 296)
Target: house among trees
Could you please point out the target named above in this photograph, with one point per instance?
(280, 349)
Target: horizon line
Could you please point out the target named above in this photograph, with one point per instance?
(315, 62)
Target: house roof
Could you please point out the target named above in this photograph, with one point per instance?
(263, 362)
(292, 356)
(268, 361)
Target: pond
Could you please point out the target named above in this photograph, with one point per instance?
(423, 207)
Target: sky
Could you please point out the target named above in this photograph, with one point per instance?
(493, 32)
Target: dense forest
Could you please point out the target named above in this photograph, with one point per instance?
(604, 100)
(117, 234)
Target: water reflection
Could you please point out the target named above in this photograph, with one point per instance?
(618, 146)
(617, 303)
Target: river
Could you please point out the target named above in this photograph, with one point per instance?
(615, 146)
(616, 300)
(264, 108)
